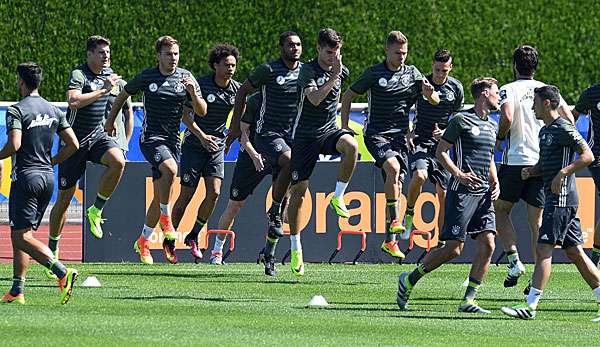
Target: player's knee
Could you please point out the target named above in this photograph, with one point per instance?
(421, 176)
(392, 169)
(351, 147)
(235, 206)
(212, 194)
(168, 171)
(502, 207)
(574, 253)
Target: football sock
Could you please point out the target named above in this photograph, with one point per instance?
(275, 207)
(56, 267)
(53, 242)
(164, 209)
(513, 257)
(533, 298)
(340, 188)
(392, 214)
(17, 286)
(595, 254)
(197, 228)
(472, 289)
(218, 247)
(270, 246)
(416, 274)
(100, 201)
(295, 242)
(147, 231)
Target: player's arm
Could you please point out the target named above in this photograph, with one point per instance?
(208, 141)
(193, 90)
(76, 99)
(532, 171)
(505, 122)
(316, 95)
(493, 179)
(566, 113)
(120, 100)
(128, 121)
(583, 106)
(245, 142)
(13, 143)
(573, 139)
(432, 96)
(347, 98)
(71, 145)
(239, 108)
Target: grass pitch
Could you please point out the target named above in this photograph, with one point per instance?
(237, 305)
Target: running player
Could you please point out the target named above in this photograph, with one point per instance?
(315, 132)
(393, 88)
(558, 142)
(277, 81)
(589, 103)
(430, 122)
(124, 120)
(31, 125)
(471, 190)
(203, 145)
(87, 93)
(520, 128)
(166, 88)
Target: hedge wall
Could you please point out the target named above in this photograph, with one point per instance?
(481, 35)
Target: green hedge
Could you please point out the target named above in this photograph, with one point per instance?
(481, 35)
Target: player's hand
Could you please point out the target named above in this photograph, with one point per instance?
(410, 141)
(336, 68)
(232, 135)
(210, 143)
(526, 173)
(258, 162)
(437, 132)
(110, 82)
(347, 128)
(499, 145)
(426, 88)
(557, 182)
(469, 179)
(110, 128)
(495, 189)
(188, 83)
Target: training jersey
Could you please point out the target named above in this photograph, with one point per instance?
(452, 98)
(251, 115)
(38, 121)
(163, 98)
(390, 96)
(88, 121)
(120, 137)
(522, 147)
(219, 103)
(278, 87)
(589, 103)
(314, 121)
(474, 139)
(559, 142)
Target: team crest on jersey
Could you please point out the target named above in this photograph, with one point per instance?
(280, 80)
(381, 153)
(475, 130)
(405, 80)
(450, 96)
(63, 182)
(186, 177)
(456, 230)
(232, 100)
(179, 87)
(153, 87)
(383, 82)
(338, 83)
(547, 139)
(210, 98)
(294, 175)
(234, 192)
(320, 81)
(598, 105)
(157, 157)
(278, 147)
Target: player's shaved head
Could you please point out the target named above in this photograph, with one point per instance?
(31, 74)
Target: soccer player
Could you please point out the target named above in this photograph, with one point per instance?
(559, 140)
(589, 103)
(430, 122)
(315, 132)
(124, 120)
(471, 190)
(88, 91)
(520, 128)
(167, 88)
(393, 88)
(31, 125)
(277, 81)
(203, 147)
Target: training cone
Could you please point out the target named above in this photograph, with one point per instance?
(317, 301)
(466, 282)
(91, 282)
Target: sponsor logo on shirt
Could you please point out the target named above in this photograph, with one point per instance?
(41, 120)
(475, 130)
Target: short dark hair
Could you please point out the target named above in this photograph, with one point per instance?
(165, 41)
(551, 93)
(220, 52)
(525, 59)
(95, 41)
(480, 84)
(283, 36)
(442, 55)
(329, 37)
(31, 74)
(395, 37)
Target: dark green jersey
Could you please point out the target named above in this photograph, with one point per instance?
(313, 121)
(38, 121)
(391, 94)
(164, 98)
(451, 100)
(474, 139)
(559, 142)
(219, 102)
(278, 87)
(87, 121)
(251, 115)
(120, 137)
(589, 103)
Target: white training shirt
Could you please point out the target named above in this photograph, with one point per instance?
(522, 147)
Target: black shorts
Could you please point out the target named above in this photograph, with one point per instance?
(384, 147)
(157, 151)
(271, 148)
(305, 153)
(197, 162)
(245, 177)
(29, 197)
(70, 170)
(513, 188)
(560, 226)
(595, 172)
(424, 159)
(467, 214)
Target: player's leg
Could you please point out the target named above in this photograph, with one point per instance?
(595, 256)
(420, 167)
(392, 186)
(534, 219)
(297, 191)
(205, 210)
(17, 290)
(441, 197)
(142, 244)
(485, 243)
(348, 147)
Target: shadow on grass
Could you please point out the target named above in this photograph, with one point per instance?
(186, 297)
(450, 318)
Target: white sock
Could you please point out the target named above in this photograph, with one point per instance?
(340, 188)
(295, 242)
(164, 209)
(597, 292)
(218, 247)
(147, 231)
(533, 298)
